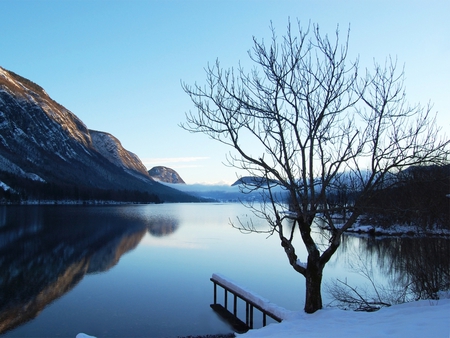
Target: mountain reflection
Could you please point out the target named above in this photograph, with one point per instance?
(46, 251)
(162, 226)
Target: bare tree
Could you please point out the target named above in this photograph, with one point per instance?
(317, 123)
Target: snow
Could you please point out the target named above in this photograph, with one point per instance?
(289, 214)
(35, 177)
(4, 122)
(361, 227)
(303, 264)
(422, 319)
(397, 229)
(4, 186)
(425, 318)
(255, 298)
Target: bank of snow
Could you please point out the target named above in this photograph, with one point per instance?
(396, 230)
(425, 318)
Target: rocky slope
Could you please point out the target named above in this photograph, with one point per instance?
(111, 148)
(44, 146)
(164, 174)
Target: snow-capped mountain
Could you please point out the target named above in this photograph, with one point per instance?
(42, 141)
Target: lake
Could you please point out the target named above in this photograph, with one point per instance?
(143, 270)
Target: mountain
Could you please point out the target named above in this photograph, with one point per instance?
(111, 148)
(47, 152)
(238, 192)
(254, 182)
(165, 174)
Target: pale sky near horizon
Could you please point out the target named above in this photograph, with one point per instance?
(118, 64)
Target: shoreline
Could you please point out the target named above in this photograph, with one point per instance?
(395, 230)
(226, 335)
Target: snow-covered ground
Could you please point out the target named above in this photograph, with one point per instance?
(425, 318)
(396, 230)
(419, 319)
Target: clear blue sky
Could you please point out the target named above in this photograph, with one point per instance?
(117, 65)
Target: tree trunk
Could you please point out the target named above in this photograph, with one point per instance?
(313, 300)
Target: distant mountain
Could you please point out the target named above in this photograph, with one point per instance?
(166, 175)
(46, 152)
(215, 193)
(253, 181)
(226, 193)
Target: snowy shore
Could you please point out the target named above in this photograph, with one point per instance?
(362, 228)
(424, 318)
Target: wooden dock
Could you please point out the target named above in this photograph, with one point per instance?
(251, 302)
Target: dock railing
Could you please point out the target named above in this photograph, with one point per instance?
(252, 301)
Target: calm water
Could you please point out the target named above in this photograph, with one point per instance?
(143, 271)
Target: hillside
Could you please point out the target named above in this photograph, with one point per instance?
(166, 175)
(47, 152)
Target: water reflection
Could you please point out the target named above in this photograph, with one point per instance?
(419, 266)
(162, 288)
(413, 267)
(162, 226)
(46, 251)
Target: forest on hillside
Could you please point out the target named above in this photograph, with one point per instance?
(28, 190)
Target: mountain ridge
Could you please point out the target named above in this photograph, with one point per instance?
(43, 142)
(165, 174)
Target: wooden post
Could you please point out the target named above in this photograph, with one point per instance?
(215, 293)
(235, 305)
(247, 313)
(226, 299)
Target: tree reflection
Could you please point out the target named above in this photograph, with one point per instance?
(420, 265)
(45, 252)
